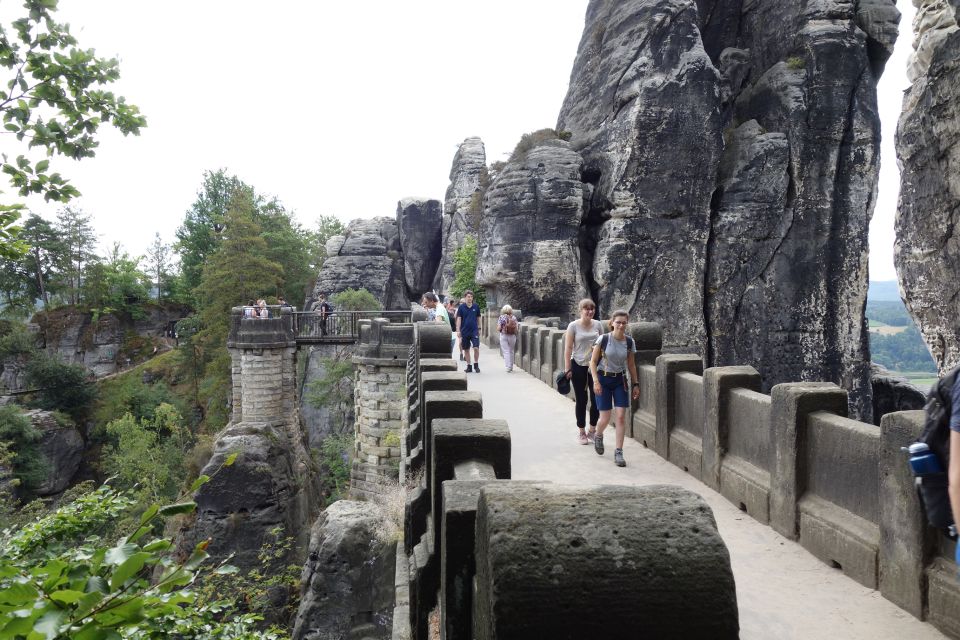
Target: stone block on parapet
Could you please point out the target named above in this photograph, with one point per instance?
(437, 364)
(540, 548)
(261, 333)
(791, 403)
(443, 380)
(535, 343)
(460, 498)
(667, 367)
(433, 339)
(415, 515)
(717, 384)
(551, 321)
(944, 597)
(526, 353)
(547, 356)
(906, 541)
(447, 404)
(456, 441)
(648, 339)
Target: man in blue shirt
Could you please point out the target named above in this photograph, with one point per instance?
(953, 472)
(468, 330)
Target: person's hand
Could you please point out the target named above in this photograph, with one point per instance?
(636, 393)
(597, 389)
(569, 373)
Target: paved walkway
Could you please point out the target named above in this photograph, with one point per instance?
(783, 592)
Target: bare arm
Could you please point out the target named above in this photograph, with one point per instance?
(594, 360)
(632, 365)
(458, 321)
(568, 352)
(954, 473)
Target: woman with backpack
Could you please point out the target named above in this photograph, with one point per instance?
(578, 345)
(613, 356)
(507, 326)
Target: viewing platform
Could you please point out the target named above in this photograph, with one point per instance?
(308, 327)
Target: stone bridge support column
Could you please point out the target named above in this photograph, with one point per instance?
(380, 401)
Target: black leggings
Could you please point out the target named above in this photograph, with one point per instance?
(582, 383)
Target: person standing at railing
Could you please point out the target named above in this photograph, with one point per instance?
(263, 311)
(323, 310)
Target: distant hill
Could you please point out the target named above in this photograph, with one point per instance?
(883, 291)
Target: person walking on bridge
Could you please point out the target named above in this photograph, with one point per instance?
(468, 329)
(507, 327)
(613, 356)
(578, 344)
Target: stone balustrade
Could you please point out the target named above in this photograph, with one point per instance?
(791, 459)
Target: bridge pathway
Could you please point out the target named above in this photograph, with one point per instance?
(782, 590)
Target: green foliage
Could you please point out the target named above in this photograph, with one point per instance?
(334, 390)
(61, 386)
(901, 352)
(15, 341)
(465, 272)
(335, 460)
(55, 99)
(148, 454)
(59, 579)
(796, 63)
(355, 300)
(29, 466)
(11, 246)
(270, 590)
(327, 227)
(116, 284)
(889, 312)
(42, 258)
(78, 241)
(534, 139)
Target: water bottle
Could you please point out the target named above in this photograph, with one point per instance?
(923, 461)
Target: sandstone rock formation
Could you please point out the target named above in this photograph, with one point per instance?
(462, 205)
(927, 246)
(420, 223)
(347, 584)
(893, 393)
(367, 256)
(730, 157)
(528, 252)
(61, 448)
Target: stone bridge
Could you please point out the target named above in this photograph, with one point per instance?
(822, 530)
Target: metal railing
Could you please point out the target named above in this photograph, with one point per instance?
(338, 326)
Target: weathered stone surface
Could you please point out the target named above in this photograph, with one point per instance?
(462, 206)
(644, 107)
(927, 246)
(61, 447)
(893, 393)
(369, 257)
(528, 252)
(540, 548)
(347, 585)
(420, 222)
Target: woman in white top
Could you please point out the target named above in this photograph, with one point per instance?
(578, 346)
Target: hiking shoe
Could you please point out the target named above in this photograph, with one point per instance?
(476, 368)
(591, 434)
(582, 438)
(618, 458)
(469, 368)
(598, 444)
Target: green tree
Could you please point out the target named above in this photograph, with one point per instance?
(355, 300)
(199, 235)
(11, 246)
(55, 99)
(158, 264)
(61, 386)
(22, 438)
(78, 240)
(116, 284)
(327, 227)
(44, 253)
(148, 453)
(288, 245)
(465, 272)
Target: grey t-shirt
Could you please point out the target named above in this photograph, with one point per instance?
(614, 358)
(583, 340)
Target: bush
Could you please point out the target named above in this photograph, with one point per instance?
(534, 139)
(335, 461)
(29, 466)
(465, 273)
(355, 300)
(61, 386)
(15, 341)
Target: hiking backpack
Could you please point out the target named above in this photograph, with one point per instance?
(510, 326)
(933, 488)
(605, 340)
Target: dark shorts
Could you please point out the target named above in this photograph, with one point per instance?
(466, 341)
(613, 393)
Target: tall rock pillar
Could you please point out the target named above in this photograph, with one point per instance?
(273, 482)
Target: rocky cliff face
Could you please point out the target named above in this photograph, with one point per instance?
(730, 156)
(462, 206)
(927, 247)
(61, 447)
(528, 252)
(420, 224)
(367, 256)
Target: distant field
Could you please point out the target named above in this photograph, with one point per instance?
(920, 379)
(885, 329)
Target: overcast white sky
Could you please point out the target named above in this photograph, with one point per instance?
(339, 108)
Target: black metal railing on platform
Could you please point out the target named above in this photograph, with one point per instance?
(339, 326)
